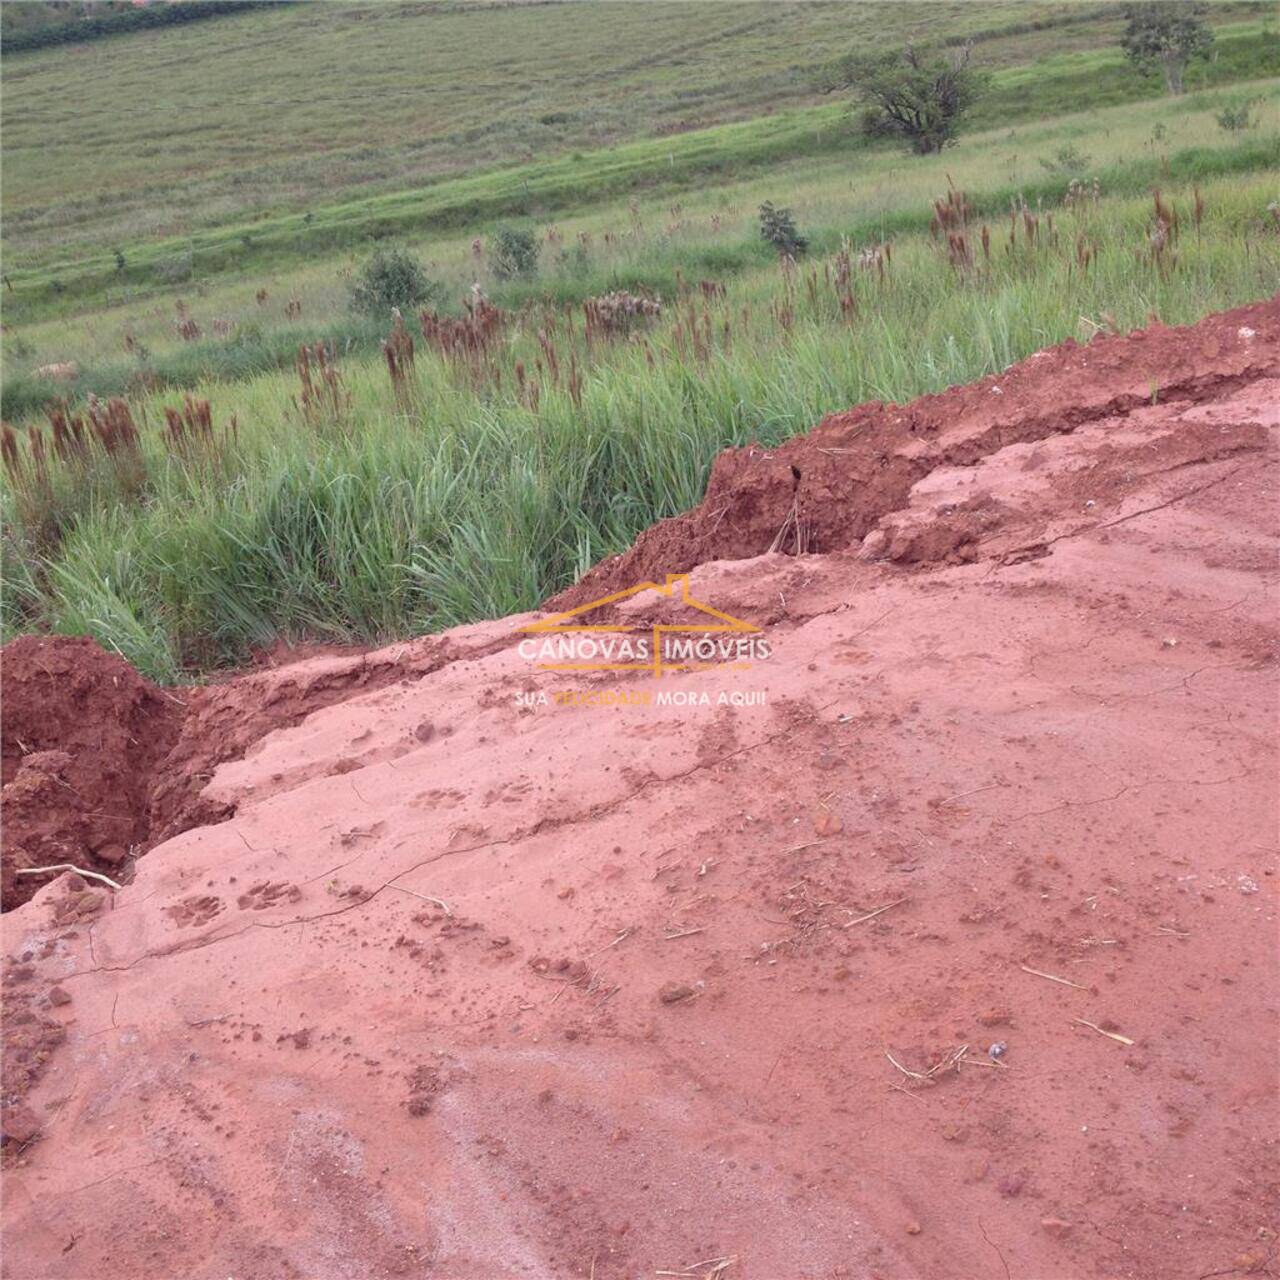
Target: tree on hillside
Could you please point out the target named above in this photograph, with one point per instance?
(1166, 34)
(915, 97)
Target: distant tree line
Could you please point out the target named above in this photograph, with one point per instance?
(96, 21)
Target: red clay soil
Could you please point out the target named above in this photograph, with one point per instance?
(939, 944)
(81, 735)
(100, 765)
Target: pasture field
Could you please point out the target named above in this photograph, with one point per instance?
(172, 131)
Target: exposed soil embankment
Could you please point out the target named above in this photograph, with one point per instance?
(938, 942)
(82, 735)
(827, 490)
(100, 765)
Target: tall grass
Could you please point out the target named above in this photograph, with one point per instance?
(641, 246)
(395, 512)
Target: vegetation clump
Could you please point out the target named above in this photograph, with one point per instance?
(1238, 118)
(616, 314)
(513, 253)
(778, 227)
(391, 278)
(1068, 159)
(323, 398)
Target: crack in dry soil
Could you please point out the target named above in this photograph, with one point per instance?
(1032, 550)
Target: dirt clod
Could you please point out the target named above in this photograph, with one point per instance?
(674, 992)
(19, 1123)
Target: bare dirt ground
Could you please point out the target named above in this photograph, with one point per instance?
(954, 956)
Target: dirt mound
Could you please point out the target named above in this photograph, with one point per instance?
(82, 735)
(828, 490)
(101, 765)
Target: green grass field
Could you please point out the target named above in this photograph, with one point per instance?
(856, 192)
(76, 264)
(256, 114)
(480, 486)
(472, 496)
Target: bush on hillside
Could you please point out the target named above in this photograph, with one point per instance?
(392, 277)
(778, 227)
(914, 96)
(513, 253)
(1234, 119)
(1167, 34)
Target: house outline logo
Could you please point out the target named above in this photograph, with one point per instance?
(562, 624)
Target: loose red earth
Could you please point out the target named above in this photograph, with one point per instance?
(955, 957)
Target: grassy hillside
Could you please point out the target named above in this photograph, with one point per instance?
(1055, 85)
(178, 129)
(252, 316)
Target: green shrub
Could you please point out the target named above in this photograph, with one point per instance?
(1234, 119)
(778, 227)
(513, 253)
(1068, 160)
(175, 270)
(392, 277)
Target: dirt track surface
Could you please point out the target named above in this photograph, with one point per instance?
(455, 987)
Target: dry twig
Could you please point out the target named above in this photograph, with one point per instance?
(1066, 982)
(66, 866)
(709, 1269)
(871, 915)
(915, 1075)
(1111, 1035)
(426, 897)
(622, 937)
